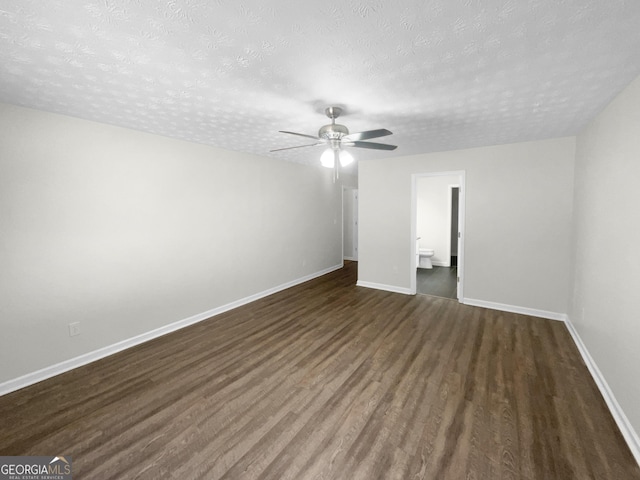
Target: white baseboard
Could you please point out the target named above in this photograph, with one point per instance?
(440, 264)
(352, 259)
(53, 370)
(388, 288)
(620, 418)
(515, 309)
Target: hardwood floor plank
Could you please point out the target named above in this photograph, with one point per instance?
(327, 380)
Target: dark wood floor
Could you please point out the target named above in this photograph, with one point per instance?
(327, 380)
(438, 281)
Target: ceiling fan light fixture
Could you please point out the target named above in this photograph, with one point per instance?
(327, 159)
(345, 158)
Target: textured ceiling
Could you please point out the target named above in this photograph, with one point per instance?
(440, 74)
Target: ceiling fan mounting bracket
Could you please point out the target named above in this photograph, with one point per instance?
(333, 112)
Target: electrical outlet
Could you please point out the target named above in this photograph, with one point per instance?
(74, 329)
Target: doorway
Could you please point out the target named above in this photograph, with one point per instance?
(350, 223)
(454, 195)
(437, 225)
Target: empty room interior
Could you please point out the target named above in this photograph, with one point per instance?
(212, 236)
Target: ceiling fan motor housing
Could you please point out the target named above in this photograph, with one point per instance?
(333, 131)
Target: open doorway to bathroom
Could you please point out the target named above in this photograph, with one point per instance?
(438, 217)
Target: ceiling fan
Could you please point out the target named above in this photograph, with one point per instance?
(336, 137)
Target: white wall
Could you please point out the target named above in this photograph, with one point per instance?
(518, 221)
(126, 232)
(606, 311)
(433, 222)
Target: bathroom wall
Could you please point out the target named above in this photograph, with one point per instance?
(126, 232)
(519, 200)
(605, 310)
(433, 222)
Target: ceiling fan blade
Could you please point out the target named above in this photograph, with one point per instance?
(372, 145)
(353, 137)
(299, 134)
(298, 146)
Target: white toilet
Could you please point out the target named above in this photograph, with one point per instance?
(424, 258)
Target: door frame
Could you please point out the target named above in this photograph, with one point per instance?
(461, 174)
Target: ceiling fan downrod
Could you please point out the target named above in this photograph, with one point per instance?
(333, 132)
